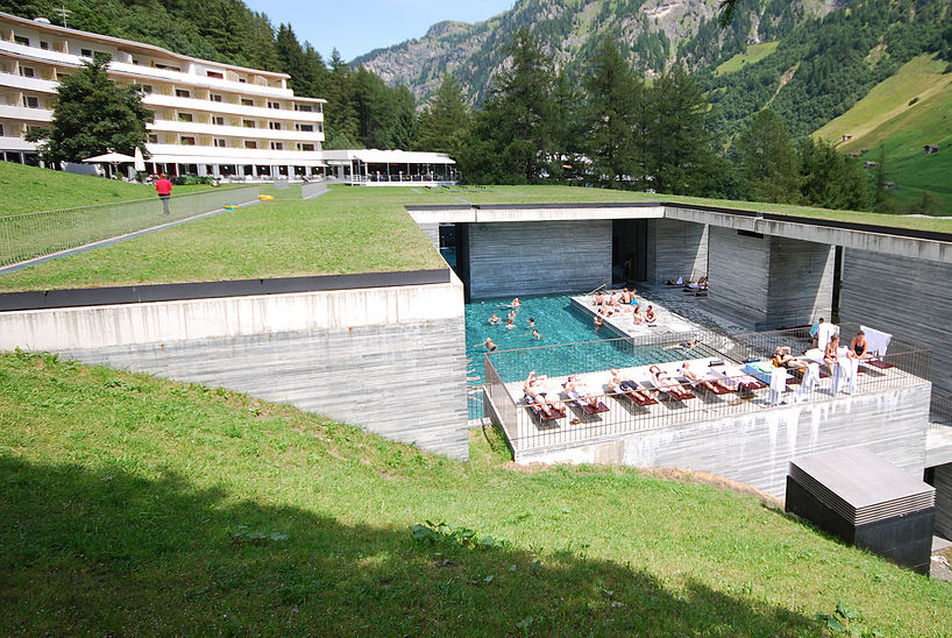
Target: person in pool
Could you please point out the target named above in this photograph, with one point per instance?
(515, 303)
(535, 333)
(510, 325)
(532, 322)
(494, 320)
(488, 344)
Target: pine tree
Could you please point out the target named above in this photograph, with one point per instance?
(93, 115)
(768, 166)
(445, 120)
(615, 97)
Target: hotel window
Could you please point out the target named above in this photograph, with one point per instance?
(220, 142)
(183, 93)
(306, 128)
(153, 138)
(303, 107)
(44, 45)
(1, 130)
(185, 117)
(246, 102)
(277, 146)
(248, 123)
(242, 80)
(274, 126)
(27, 72)
(19, 39)
(187, 141)
(274, 105)
(218, 120)
(215, 74)
(146, 88)
(31, 102)
(214, 97)
(250, 144)
(86, 53)
(307, 147)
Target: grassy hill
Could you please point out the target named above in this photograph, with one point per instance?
(902, 114)
(751, 55)
(137, 504)
(28, 189)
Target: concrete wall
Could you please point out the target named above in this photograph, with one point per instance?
(943, 500)
(769, 282)
(676, 249)
(391, 359)
(739, 275)
(907, 297)
(801, 282)
(523, 258)
(432, 231)
(756, 448)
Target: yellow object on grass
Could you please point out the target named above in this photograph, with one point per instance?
(230, 206)
(266, 198)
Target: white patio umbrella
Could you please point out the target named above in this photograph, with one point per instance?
(112, 158)
(139, 163)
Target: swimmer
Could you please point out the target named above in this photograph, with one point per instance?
(494, 319)
(488, 344)
(510, 325)
(515, 303)
(535, 333)
(531, 322)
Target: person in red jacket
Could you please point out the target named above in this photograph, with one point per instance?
(164, 188)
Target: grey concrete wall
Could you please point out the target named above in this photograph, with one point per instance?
(801, 282)
(676, 249)
(907, 297)
(943, 500)
(739, 275)
(523, 258)
(406, 382)
(756, 448)
(432, 231)
(389, 359)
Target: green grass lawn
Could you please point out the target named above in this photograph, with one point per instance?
(348, 230)
(753, 54)
(27, 189)
(137, 505)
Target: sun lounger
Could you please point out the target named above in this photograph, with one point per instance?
(673, 392)
(629, 394)
(537, 411)
(735, 375)
(707, 383)
(581, 400)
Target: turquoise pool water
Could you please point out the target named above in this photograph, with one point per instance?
(558, 321)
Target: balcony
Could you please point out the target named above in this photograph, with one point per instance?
(183, 154)
(197, 128)
(226, 108)
(20, 83)
(25, 114)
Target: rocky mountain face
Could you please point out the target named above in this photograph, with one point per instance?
(654, 34)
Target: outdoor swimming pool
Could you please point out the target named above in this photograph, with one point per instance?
(558, 321)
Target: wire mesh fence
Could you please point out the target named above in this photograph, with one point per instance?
(671, 380)
(30, 235)
(313, 189)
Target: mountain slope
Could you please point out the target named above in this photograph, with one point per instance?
(654, 33)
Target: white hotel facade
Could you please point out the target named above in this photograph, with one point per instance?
(210, 118)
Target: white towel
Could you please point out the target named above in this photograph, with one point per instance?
(877, 340)
(778, 383)
(824, 333)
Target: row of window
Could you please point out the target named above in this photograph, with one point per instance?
(89, 53)
(188, 140)
(218, 120)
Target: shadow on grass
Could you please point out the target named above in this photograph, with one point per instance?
(106, 552)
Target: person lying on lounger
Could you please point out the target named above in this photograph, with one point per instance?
(575, 389)
(666, 383)
(783, 358)
(684, 345)
(537, 394)
(628, 387)
(708, 381)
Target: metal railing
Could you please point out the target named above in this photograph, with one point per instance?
(940, 411)
(30, 235)
(733, 388)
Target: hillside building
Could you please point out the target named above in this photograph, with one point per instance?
(210, 118)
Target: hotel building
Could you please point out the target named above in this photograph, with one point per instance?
(210, 118)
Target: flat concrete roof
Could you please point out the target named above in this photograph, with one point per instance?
(903, 242)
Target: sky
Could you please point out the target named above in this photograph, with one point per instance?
(356, 27)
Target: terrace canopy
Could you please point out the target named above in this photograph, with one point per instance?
(374, 166)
